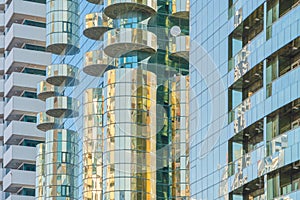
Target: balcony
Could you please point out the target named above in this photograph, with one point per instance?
(63, 22)
(62, 106)
(96, 63)
(63, 43)
(46, 90)
(2, 108)
(101, 2)
(96, 24)
(281, 121)
(253, 137)
(20, 10)
(241, 63)
(62, 74)
(180, 47)
(125, 41)
(247, 84)
(17, 83)
(46, 122)
(2, 81)
(251, 190)
(181, 9)
(282, 64)
(2, 7)
(1, 153)
(2, 21)
(16, 155)
(288, 186)
(16, 179)
(17, 131)
(236, 11)
(288, 9)
(2, 173)
(1, 131)
(243, 35)
(1, 65)
(18, 59)
(117, 8)
(282, 150)
(2, 41)
(19, 106)
(239, 115)
(19, 197)
(19, 34)
(243, 150)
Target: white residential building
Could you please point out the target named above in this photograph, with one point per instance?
(23, 62)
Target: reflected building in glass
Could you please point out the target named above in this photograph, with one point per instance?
(244, 79)
(116, 94)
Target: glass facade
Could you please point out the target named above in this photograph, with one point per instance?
(179, 99)
(116, 93)
(129, 135)
(93, 144)
(40, 173)
(60, 164)
(244, 81)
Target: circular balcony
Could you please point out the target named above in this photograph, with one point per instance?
(180, 48)
(62, 74)
(181, 9)
(62, 43)
(62, 32)
(124, 41)
(117, 8)
(46, 90)
(96, 24)
(46, 122)
(62, 106)
(96, 63)
(100, 2)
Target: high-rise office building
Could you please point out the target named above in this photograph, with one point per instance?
(245, 77)
(23, 62)
(116, 93)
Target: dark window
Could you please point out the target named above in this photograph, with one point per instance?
(67, 27)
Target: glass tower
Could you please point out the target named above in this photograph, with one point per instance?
(117, 101)
(245, 91)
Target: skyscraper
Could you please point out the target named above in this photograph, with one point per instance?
(23, 62)
(244, 78)
(116, 95)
